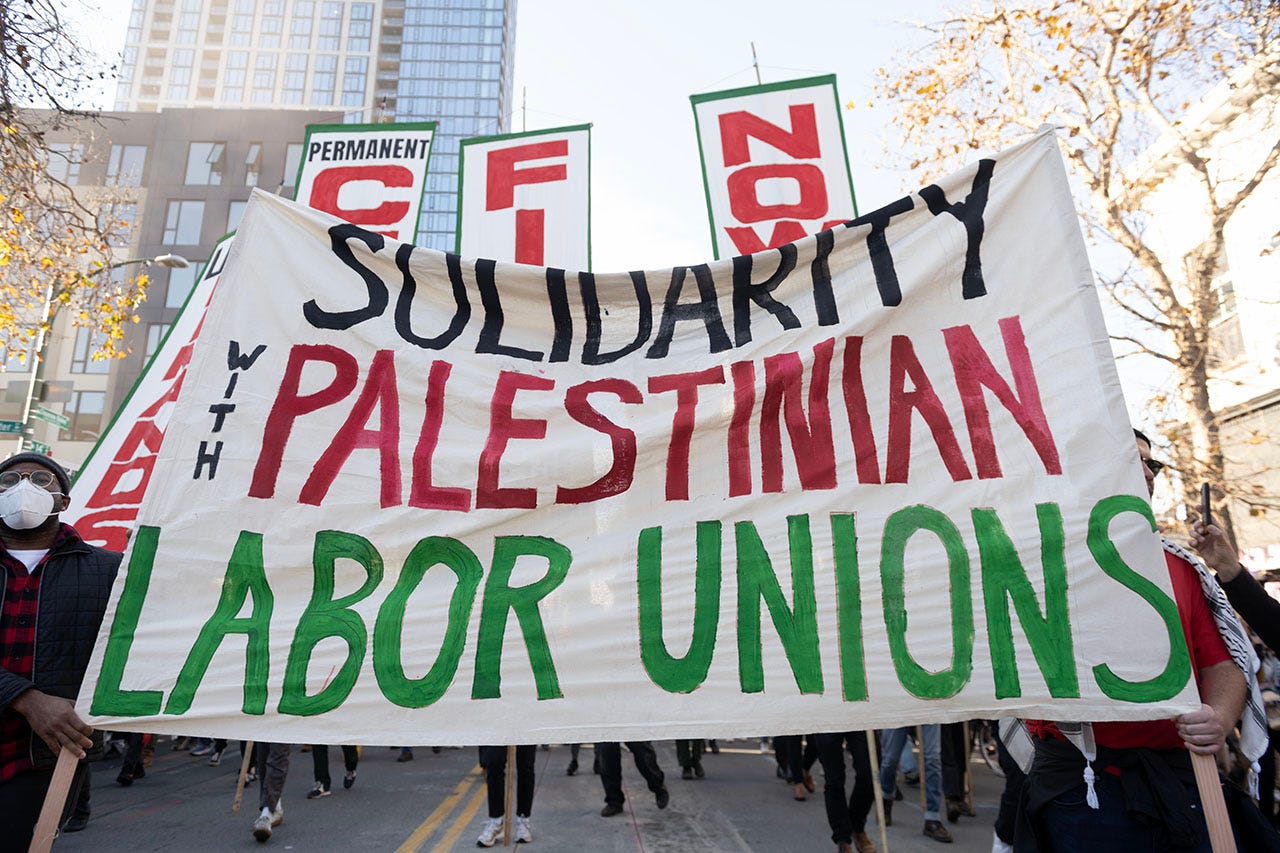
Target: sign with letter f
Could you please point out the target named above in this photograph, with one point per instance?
(526, 198)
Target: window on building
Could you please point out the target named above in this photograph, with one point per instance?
(292, 160)
(360, 27)
(330, 27)
(86, 344)
(324, 80)
(180, 284)
(253, 164)
(235, 212)
(182, 224)
(354, 78)
(64, 162)
(155, 335)
(264, 78)
(295, 78)
(124, 165)
(1226, 338)
(206, 161)
(85, 410)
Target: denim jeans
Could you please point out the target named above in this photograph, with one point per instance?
(930, 746)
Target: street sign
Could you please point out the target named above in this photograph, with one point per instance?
(52, 417)
(39, 446)
(11, 427)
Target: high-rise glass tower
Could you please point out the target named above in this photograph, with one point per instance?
(449, 61)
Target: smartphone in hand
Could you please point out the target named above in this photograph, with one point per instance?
(1206, 514)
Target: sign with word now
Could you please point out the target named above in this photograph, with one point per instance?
(773, 163)
(526, 197)
(879, 476)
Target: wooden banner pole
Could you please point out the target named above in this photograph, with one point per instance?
(249, 747)
(1215, 807)
(55, 800)
(875, 776)
(506, 809)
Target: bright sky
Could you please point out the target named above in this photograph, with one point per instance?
(628, 68)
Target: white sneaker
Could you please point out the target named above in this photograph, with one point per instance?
(523, 834)
(277, 816)
(491, 833)
(998, 846)
(215, 758)
(262, 827)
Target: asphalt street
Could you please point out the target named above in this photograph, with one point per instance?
(437, 803)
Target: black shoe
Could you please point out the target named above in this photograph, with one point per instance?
(75, 823)
(686, 773)
(595, 765)
(610, 810)
(698, 772)
(406, 754)
(911, 777)
(953, 810)
(897, 795)
(573, 768)
(662, 797)
(436, 750)
(713, 747)
(935, 830)
(888, 812)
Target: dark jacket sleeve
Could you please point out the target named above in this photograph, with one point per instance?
(1260, 610)
(11, 686)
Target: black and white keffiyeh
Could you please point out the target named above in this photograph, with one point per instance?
(1254, 734)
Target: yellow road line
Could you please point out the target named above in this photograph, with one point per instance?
(450, 838)
(430, 825)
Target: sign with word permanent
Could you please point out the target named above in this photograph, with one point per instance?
(526, 197)
(371, 175)
(773, 163)
(876, 477)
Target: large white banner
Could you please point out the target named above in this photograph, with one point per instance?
(526, 197)
(773, 163)
(877, 477)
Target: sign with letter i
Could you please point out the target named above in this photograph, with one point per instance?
(526, 197)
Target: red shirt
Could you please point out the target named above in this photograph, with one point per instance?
(1203, 642)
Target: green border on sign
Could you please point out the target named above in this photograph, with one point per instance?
(373, 128)
(475, 140)
(151, 362)
(807, 82)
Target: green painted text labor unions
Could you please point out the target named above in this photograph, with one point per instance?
(1006, 593)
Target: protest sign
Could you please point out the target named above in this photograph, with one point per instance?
(371, 175)
(879, 476)
(773, 163)
(526, 197)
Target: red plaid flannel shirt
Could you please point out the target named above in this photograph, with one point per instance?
(17, 648)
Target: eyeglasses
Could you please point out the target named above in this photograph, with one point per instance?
(43, 479)
(1155, 466)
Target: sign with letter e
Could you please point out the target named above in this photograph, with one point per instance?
(371, 175)
(773, 163)
(526, 197)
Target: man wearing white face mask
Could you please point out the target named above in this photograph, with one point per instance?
(51, 605)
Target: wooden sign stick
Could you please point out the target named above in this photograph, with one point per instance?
(55, 800)
(875, 775)
(1215, 808)
(244, 771)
